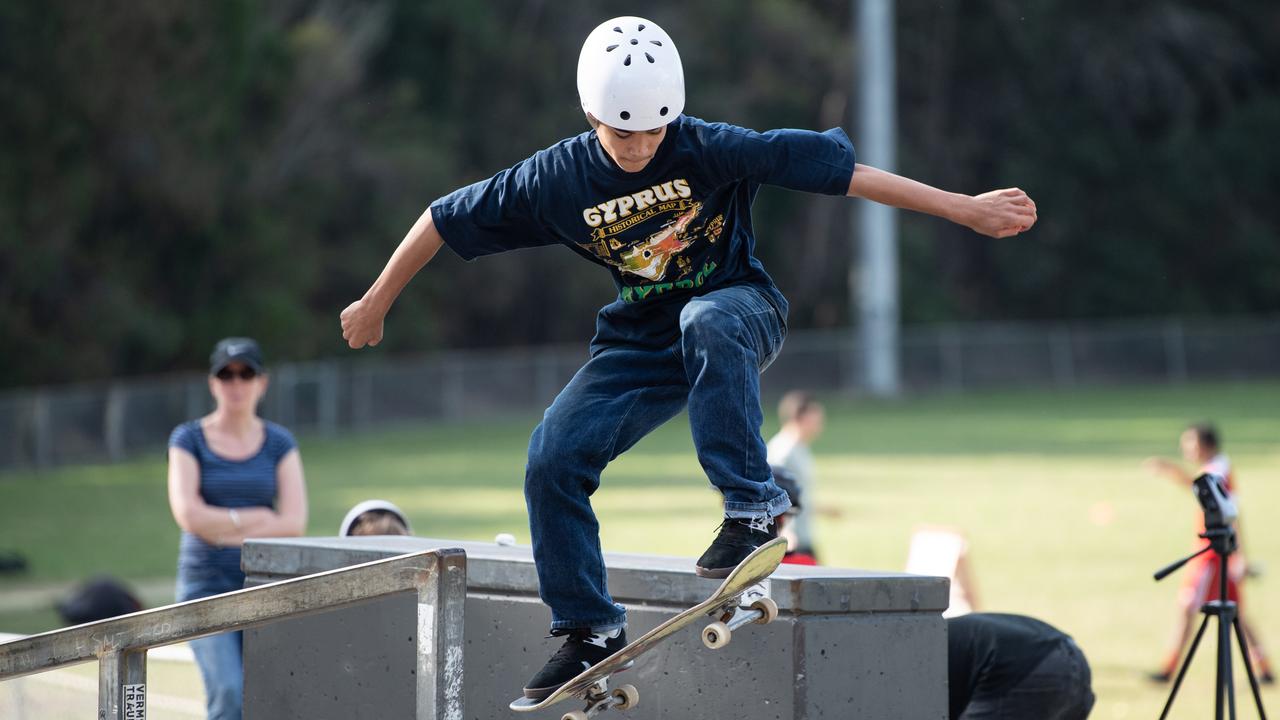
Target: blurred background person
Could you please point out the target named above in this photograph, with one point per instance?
(943, 551)
(935, 550)
(803, 420)
(375, 517)
(1000, 667)
(232, 475)
(1013, 667)
(796, 555)
(1201, 446)
(98, 599)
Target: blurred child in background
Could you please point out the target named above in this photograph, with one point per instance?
(803, 420)
(1201, 446)
(796, 555)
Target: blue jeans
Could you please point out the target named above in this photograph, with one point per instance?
(727, 337)
(218, 657)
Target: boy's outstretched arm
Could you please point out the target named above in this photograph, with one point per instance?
(362, 320)
(999, 213)
(1167, 469)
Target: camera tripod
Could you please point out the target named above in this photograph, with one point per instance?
(1222, 542)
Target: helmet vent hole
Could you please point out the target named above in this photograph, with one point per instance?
(611, 48)
(641, 27)
(635, 41)
(617, 29)
(663, 111)
(624, 115)
(627, 61)
(656, 42)
(647, 55)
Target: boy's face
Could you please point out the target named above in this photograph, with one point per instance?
(812, 423)
(631, 150)
(1192, 450)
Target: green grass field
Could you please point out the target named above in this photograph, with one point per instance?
(1063, 523)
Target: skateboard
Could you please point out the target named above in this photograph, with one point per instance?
(740, 599)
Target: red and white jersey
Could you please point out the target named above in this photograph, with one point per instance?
(1219, 464)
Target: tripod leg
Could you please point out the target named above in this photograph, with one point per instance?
(1182, 671)
(1226, 686)
(1226, 617)
(1248, 666)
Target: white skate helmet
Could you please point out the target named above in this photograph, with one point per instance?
(368, 506)
(629, 75)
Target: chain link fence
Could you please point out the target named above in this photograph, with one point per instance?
(51, 426)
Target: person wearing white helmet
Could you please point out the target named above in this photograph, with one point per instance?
(663, 201)
(630, 76)
(375, 517)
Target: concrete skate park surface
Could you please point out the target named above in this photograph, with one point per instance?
(847, 643)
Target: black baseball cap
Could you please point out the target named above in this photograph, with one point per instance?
(235, 349)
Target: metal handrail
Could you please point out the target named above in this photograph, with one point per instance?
(120, 644)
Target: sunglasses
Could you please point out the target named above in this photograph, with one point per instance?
(225, 374)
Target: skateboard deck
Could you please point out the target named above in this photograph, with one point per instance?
(592, 684)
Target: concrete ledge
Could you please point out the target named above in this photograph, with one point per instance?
(847, 643)
(797, 589)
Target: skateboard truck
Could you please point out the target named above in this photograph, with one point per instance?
(599, 698)
(752, 607)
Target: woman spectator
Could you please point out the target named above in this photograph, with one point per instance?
(232, 476)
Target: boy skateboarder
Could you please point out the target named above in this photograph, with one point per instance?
(663, 201)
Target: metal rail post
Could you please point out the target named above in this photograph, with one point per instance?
(120, 644)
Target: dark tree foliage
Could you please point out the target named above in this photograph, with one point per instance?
(1139, 127)
(171, 173)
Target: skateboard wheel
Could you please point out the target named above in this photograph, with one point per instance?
(716, 635)
(768, 610)
(627, 696)
(575, 715)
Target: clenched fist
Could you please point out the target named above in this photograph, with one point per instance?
(362, 324)
(1001, 213)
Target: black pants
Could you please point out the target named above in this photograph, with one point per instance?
(1058, 689)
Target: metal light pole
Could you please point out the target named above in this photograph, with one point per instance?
(875, 276)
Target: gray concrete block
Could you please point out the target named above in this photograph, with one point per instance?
(847, 643)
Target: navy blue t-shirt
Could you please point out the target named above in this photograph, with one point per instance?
(231, 484)
(675, 230)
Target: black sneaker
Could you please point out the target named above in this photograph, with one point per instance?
(738, 538)
(580, 651)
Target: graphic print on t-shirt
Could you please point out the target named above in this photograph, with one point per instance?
(649, 259)
(658, 254)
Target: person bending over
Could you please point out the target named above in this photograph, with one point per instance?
(1013, 667)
